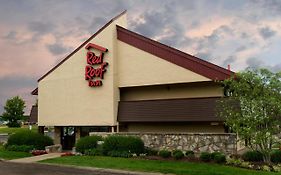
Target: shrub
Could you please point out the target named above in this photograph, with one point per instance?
(213, 154)
(93, 152)
(122, 144)
(189, 152)
(115, 153)
(20, 148)
(219, 158)
(165, 153)
(86, 143)
(276, 156)
(235, 162)
(151, 152)
(178, 154)
(252, 156)
(205, 156)
(29, 138)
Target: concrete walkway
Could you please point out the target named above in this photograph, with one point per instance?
(36, 158)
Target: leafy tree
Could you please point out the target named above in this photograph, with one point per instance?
(14, 110)
(252, 108)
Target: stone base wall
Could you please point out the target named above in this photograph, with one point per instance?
(4, 138)
(224, 142)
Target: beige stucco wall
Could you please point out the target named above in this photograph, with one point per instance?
(64, 97)
(174, 127)
(137, 68)
(189, 90)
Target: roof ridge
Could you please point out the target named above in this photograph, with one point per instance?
(83, 44)
(178, 52)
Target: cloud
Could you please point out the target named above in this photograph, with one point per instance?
(257, 63)
(204, 55)
(57, 48)
(231, 59)
(241, 48)
(254, 62)
(266, 32)
(11, 35)
(40, 27)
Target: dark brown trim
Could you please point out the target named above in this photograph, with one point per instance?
(35, 91)
(82, 45)
(173, 55)
(176, 99)
(169, 110)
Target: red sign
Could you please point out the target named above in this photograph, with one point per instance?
(96, 67)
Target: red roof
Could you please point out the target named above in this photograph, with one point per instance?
(160, 50)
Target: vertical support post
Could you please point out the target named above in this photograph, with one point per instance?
(117, 127)
(41, 129)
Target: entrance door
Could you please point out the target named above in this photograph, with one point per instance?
(67, 137)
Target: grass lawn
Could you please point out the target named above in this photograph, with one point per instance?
(5, 129)
(8, 155)
(154, 166)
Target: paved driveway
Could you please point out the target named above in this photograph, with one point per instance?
(12, 168)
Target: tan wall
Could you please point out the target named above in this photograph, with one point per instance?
(65, 99)
(173, 127)
(191, 90)
(137, 68)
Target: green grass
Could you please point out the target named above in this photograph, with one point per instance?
(154, 166)
(5, 129)
(8, 155)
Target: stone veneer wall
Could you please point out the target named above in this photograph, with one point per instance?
(4, 138)
(224, 142)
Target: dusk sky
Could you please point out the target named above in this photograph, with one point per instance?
(36, 34)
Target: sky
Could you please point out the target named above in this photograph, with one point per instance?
(36, 34)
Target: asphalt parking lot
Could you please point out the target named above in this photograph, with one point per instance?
(11, 168)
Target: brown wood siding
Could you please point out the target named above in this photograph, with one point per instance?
(169, 110)
(33, 117)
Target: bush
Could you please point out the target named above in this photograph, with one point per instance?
(93, 152)
(189, 152)
(205, 156)
(276, 156)
(115, 153)
(252, 156)
(151, 152)
(213, 154)
(122, 144)
(20, 148)
(165, 153)
(178, 154)
(86, 143)
(29, 138)
(219, 158)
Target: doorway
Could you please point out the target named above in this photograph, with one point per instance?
(68, 137)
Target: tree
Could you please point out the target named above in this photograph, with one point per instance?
(13, 111)
(252, 108)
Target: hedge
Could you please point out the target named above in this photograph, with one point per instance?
(29, 138)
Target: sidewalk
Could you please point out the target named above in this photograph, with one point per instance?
(36, 158)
